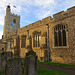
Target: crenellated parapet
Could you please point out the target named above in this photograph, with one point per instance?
(47, 20)
(15, 15)
(64, 14)
(56, 17)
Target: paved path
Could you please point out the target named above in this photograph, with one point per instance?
(57, 68)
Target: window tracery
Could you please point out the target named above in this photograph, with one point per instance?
(60, 35)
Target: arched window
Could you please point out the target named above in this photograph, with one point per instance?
(14, 20)
(55, 39)
(23, 41)
(60, 35)
(60, 40)
(36, 40)
(64, 37)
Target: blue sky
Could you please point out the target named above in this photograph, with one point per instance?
(33, 10)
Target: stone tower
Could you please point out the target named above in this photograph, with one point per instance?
(11, 23)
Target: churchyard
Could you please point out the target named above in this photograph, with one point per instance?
(10, 65)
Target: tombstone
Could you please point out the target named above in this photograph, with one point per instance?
(13, 67)
(1, 66)
(3, 57)
(30, 63)
(1, 51)
(6, 56)
(9, 55)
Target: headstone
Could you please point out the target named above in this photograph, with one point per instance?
(30, 63)
(1, 66)
(9, 55)
(3, 57)
(13, 67)
(6, 56)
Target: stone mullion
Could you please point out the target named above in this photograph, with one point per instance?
(33, 41)
(24, 42)
(66, 38)
(38, 40)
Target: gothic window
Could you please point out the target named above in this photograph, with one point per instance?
(60, 35)
(36, 40)
(14, 20)
(55, 39)
(64, 37)
(23, 41)
(60, 40)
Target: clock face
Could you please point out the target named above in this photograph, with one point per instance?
(11, 24)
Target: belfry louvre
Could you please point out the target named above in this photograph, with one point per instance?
(34, 36)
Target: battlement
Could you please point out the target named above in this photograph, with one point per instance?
(13, 14)
(64, 14)
(56, 17)
(37, 23)
(46, 20)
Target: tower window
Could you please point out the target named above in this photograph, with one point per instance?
(14, 20)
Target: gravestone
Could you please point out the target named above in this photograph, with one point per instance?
(1, 66)
(3, 57)
(30, 63)
(13, 67)
(9, 55)
(6, 56)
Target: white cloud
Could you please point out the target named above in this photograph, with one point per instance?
(1, 33)
(1, 20)
(42, 14)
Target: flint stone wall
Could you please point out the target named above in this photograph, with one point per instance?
(13, 67)
(3, 57)
(1, 66)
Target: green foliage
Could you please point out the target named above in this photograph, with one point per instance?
(22, 68)
(60, 64)
(22, 58)
(31, 52)
(1, 73)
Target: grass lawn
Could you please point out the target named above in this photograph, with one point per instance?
(1, 73)
(43, 71)
(60, 64)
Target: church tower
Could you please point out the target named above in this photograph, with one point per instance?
(11, 23)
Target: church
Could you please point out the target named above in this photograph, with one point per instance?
(52, 38)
